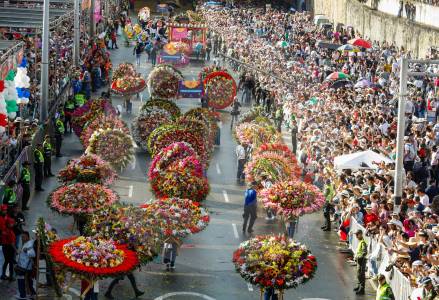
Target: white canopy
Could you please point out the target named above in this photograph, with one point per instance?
(360, 160)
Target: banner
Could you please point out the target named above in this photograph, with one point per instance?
(190, 89)
(162, 8)
(179, 33)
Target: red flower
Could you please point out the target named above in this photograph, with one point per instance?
(280, 282)
(2, 86)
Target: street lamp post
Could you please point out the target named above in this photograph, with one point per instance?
(92, 19)
(76, 26)
(45, 63)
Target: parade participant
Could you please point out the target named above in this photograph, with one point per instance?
(294, 131)
(360, 259)
(25, 265)
(25, 185)
(250, 208)
(137, 51)
(270, 294)
(38, 166)
(59, 132)
(236, 110)
(47, 148)
(241, 157)
(170, 252)
(266, 183)
(116, 280)
(384, 291)
(10, 197)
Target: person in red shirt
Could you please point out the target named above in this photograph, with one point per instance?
(369, 216)
(8, 247)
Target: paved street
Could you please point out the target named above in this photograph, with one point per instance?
(204, 269)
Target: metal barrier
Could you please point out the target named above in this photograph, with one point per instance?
(379, 259)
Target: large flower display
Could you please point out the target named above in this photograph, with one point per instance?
(274, 261)
(176, 217)
(113, 145)
(256, 134)
(198, 127)
(127, 225)
(220, 88)
(256, 114)
(293, 198)
(180, 183)
(85, 114)
(276, 167)
(126, 81)
(163, 81)
(174, 153)
(93, 257)
(87, 168)
(104, 122)
(165, 104)
(208, 70)
(210, 118)
(167, 134)
(124, 69)
(282, 150)
(81, 198)
(148, 120)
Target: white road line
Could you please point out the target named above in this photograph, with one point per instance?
(130, 191)
(218, 170)
(250, 287)
(226, 196)
(235, 231)
(75, 291)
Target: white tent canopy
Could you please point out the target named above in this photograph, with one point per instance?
(360, 160)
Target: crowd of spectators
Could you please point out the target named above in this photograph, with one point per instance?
(333, 121)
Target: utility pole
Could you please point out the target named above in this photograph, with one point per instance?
(77, 33)
(45, 64)
(91, 32)
(400, 134)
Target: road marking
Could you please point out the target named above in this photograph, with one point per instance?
(226, 196)
(179, 274)
(218, 170)
(75, 291)
(235, 231)
(130, 191)
(250, 287)
(169, 295)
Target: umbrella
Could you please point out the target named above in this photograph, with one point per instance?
(363, 83)
(337, 76)
(282, 44)
(340, 83)
(347, 47)
(360, 160)
(360, 43)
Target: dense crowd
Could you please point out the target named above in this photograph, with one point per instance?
(330, 120)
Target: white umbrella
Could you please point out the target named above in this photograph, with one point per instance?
(360, 160)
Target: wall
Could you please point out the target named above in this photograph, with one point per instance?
(379, 26)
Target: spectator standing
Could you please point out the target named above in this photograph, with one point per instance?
(25, 265)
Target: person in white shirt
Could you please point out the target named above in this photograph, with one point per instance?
(24, 266)
(240, 155)
(424, 199)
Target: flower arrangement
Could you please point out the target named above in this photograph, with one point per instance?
(256, 114)
(177, 217)
(81, 198)
(90, 111)
(163, 81)
(274, 261)
(124, 69)
(87, 168)
(220, 88)
(103, 122)
(209, 69)
(276, 167)
(128, 85)
(180, 183)
(167, 134)
(144, 14)
(209, 117)
(126, 224)
(175, 152)
(255, 134)
(113, 145)
(148, 120)
(93, 257)
(165, 104)
(283, 150)
(293, 198)
(198, 127)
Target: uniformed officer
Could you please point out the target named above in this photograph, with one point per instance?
(384, 291)
(69, 107)
(38, 165)
(59, 132)
(10, 197)
(360, 259)
(47, 148)
(25, 185)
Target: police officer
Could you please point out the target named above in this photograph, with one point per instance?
(47, 148)
(38, 165)
(25, 185)
(10, 197)
(59, 131)
(360, 259)
(384, 291)
(69, 107)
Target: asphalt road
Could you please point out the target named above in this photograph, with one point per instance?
(203, 269)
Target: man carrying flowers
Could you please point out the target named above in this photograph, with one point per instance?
(250, 208)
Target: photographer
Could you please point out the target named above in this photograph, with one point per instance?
(235, 111)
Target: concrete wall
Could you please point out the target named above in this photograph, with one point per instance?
(379, 26)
